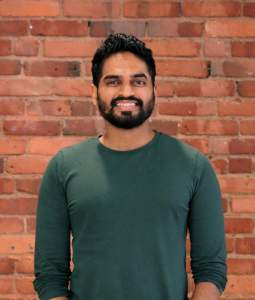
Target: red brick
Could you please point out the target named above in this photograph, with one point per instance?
(241, 266)
(190, 29)
(5, 47)
(1, 165)
(12, 127)
(186, 68)
(167, 127)
(145, 9)
(52, 68)
(244, 146)
(164, 28)
(220, 165)
(26, 47)
(245, 245)
(29, 8)
(49, 146)
(240, 165)
(205, 88)
(165, 88)
(26, 165)
(238, 225)
(219, 145)
(236, 108)
(10, 67)
(183, 108)
(11, 225)
(216, 48)
(49, 107)
(16, 244)
(237, 184)
(6, 265)
(82, 108)
(196, 8)
(59, 28)
(201, 144)
(212, 127)
(11, 107)
(246, 88)
(24, 285)
(6, 185)
(13, 28)
(28, 185)
(24, 264)
(249, 9)
(230, 28)
(70, 48)
(230, 245)
(173, 47)
(80, 127)
(31, 224)
(243, 205)
(19, 206)
(240, 284)
(9, 145)
(6, 286)
(102, 9)
(247, 126)
(243, 49)
(241, 68)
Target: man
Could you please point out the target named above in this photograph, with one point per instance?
(128, 198)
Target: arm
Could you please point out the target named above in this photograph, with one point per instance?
(206, 290)
(52, 245)
(59, 298)
(206, 227)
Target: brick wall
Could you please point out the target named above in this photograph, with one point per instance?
(206, 96)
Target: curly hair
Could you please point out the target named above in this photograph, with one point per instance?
(120, 42)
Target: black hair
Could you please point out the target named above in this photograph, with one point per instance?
(120, 42)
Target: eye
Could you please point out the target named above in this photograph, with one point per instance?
(139, 82)
(112, 82)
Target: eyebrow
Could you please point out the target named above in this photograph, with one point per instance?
(138, 75)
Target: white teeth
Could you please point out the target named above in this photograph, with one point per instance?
(125, 104)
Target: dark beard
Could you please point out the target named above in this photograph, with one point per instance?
(126, 120)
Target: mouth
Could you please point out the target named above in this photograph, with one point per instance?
(125, 105)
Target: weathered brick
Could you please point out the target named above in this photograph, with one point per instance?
(167, 127)
(230, 28)
(219, 145)
(10, 67)
(26, 165)
(82, 108)
(211, 127)
(17, 244)
(173, 47)
(220, 165)
(26, 47)
(237, 108)
(241, 266)
(11, 225)
(49, 107)
(102, 9)
(31, 225)
(249, 9)
(6, 286)
(165, 88)
(28, 185)
(24, 285)
(196, 8)
(11, 145)
(237, 184)
(186, 68)
(243, 204)
(12, 107)
(247, 127)
(238, 284)
(29, 8)
(6, 186)
(13, 127)
(240, 165)
(80, 127)
(240, 49)
(18, 206)
(5, 47)
(242, 146)
(238, 225)
(13, 28)
(70, 48)
(52, 68)
(241, 68)
(1, 165)
(145, 9)
(246, 88)
(216, 48)
(164, 28)
(59, 28)
(201, 144)
(245, 245)
(6, 265)
(190, 29)
(24, 264)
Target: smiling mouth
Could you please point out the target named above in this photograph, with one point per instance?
(126, 105)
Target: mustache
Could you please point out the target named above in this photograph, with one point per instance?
(138, 101)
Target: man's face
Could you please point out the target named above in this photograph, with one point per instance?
(125, 94)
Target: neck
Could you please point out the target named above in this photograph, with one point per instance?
(126, 139)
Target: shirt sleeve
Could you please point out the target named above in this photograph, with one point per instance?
(52, 245)
(206, 227)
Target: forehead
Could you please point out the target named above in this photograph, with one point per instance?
(124, 63)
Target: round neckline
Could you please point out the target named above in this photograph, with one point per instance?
(110, 150)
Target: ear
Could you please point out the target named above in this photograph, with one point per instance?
(94, 94)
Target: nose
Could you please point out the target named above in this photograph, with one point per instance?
(126, 90)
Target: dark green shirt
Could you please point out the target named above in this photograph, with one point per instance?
(128, 213)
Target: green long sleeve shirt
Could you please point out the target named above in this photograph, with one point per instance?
(128, 213)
